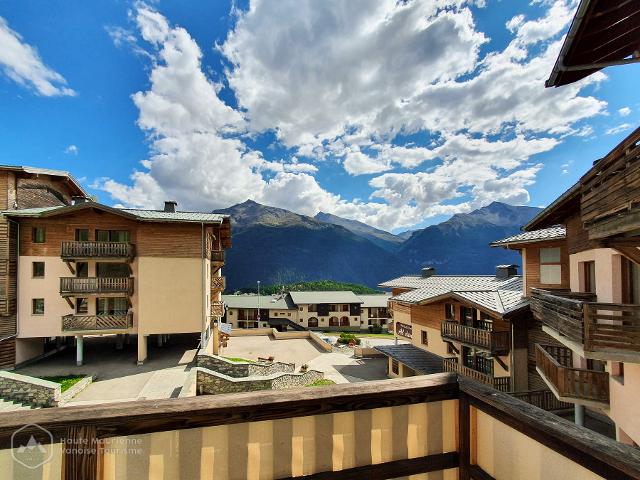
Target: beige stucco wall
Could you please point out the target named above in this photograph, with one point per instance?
(28, 348)
(608, 265)
(436, 344)
(170, 295)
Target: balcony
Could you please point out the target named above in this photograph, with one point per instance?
(569, 384)
(601, 331)
(97, 323)
(217, 309)
(372, 430)
(109, 286)
(218, 284)
(217, 257)
(495, 342)
(502, 384)
(103, 250)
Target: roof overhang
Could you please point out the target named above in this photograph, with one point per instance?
(73, 183)
(558, 211)
(603, 33)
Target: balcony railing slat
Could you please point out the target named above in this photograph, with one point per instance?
(80, 285)
(496, 342)
(499, 383)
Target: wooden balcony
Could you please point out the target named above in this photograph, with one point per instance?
(373, 430)
(602, 331)
(101, 250)
(497, 343)
(544, 399)
(569, 384)
(109, 286)
(218, 284)
(217, 257)
(217, 309)
(502, 384)
(97, 323)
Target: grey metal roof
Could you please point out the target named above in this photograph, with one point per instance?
(500, 295)
(305, 298)
(557, 232)
(161, 215)
(374, 300)
(416, 358)
(276, 302)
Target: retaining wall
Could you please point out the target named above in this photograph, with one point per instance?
(241, 369)
(210, 382)
(29, 390)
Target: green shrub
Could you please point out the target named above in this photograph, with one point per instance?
(346, 338)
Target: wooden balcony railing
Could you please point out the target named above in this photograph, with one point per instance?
(544, 399)
(606, 331)
(217, 309)
(82, 250)
(502, 384)
(70, 286)
(217, 256)
(555, 364)
(429, 424)
(95, 323)
(496, 342)
(218, 284)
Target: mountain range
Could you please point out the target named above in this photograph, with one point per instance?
(277, 246)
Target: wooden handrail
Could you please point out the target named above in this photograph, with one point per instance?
(483, 338)
(87, 249)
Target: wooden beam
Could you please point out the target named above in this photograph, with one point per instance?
(464, 437)
(80, 453)
(502, 363)
(69, 302)
(73, 271)
(479, 474)
(632, 253)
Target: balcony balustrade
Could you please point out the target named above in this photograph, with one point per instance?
(97, 323)
(72, 286)
(502, 384)
(495, 342)
(89, 250)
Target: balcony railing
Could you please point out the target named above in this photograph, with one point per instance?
(217, 256)
(544, 399)
(70, 286)
(502, 384)
(571, 384)
(457, 425)
(82, 250)
(605, 331)
(217, 309)
(218, 284)
(95, 323)
(496, 342)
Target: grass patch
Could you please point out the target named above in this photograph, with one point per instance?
(239, 360)
(65, 381)
(321, 383)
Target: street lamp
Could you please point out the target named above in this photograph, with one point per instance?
(258, 301)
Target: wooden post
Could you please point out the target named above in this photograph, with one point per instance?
(80, 453)
(586, 327)
(464, 436)
(215, 339)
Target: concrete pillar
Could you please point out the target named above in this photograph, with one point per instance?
(79, 350)
(59, 341)
(142, 348)
(159, 339)
(579, 414)
(119, 341)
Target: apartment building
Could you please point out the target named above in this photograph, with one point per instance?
(89, 269)
(473, 325)
(323, 310)
(581, 261)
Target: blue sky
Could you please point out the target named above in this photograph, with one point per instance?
(398, 115)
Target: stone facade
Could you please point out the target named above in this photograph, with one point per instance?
(210, 382)
(241, 369)
(29, 390)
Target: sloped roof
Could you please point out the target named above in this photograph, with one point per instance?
(374, 300)
(557, 232)
(500, 295)
(416, 358)
(46, 171)
(304, 298)
(279, 302)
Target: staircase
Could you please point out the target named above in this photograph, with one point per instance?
(275, 322)
(11, 406)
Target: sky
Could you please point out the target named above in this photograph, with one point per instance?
(395, 113)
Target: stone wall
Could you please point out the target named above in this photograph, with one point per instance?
(29, 390)
(241, 369)
(210, 382)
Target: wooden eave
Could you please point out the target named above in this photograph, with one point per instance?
(558, 211)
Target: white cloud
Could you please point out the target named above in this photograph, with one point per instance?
(618, 129)
(22, 63)
(624, 111)
(72, 149)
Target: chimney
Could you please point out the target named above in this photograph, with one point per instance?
(505, 271)
(428, 272)
(78, 199)
(170, 206)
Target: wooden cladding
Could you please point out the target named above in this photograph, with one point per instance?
(556, 365)
(603, 329)
(496, 342)
(610, 204)
(96, 323)
(8, 352)
(70, 286)
(502, 384)
(86, 250)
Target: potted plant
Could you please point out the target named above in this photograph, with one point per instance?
(304, 368)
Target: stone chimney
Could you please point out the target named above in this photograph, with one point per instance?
(428, 272)
(170, 206)
(505, 271)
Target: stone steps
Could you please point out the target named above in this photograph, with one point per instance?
(10, 406)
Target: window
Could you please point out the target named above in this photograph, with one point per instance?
(37, 306)
(38, 235)
(112, 235)
(630, 282)
(344, 321)
(344, 308)
(395, 367)
(589, 276)
(424, 337)
(82, 306)
(313, 307)
(312, 322)
(38, 269)
(333, 308)
(617, 371)
(450, 349)
(112, 306)
(105, 269)
(334, 322)
(82, 269)
(550, 266)
(449, 311)
(82, 234)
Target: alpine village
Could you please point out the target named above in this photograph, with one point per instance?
(131, 349)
